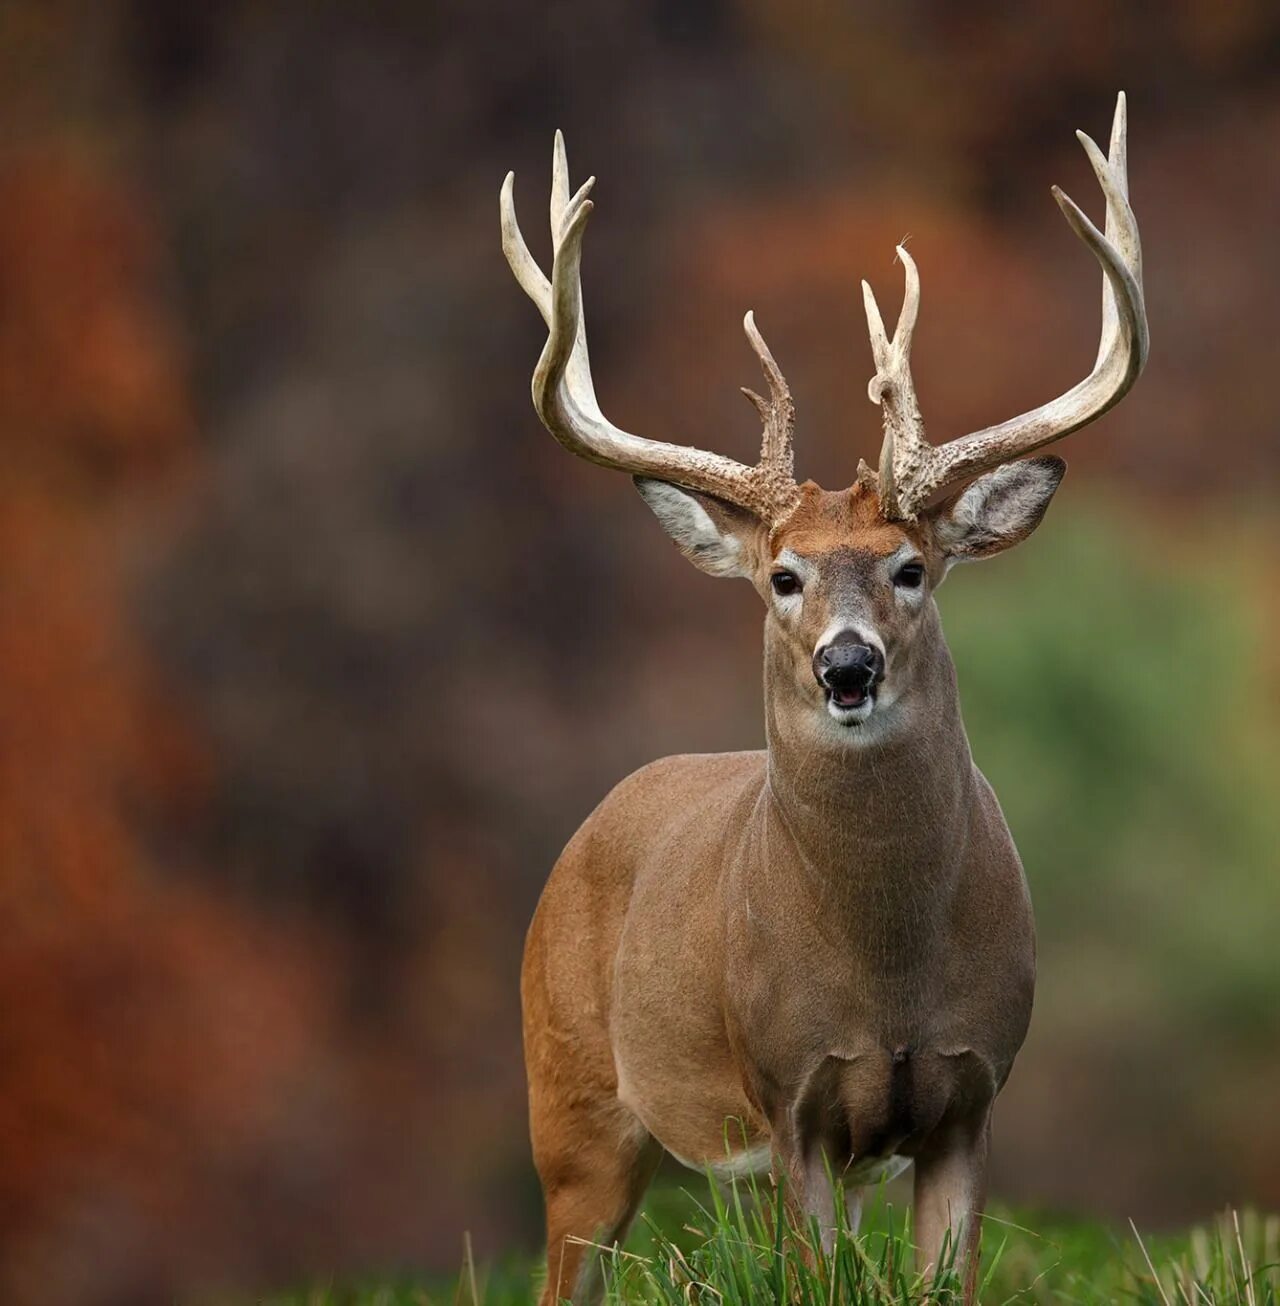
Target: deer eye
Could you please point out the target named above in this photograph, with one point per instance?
(785, 582)
(910, 575)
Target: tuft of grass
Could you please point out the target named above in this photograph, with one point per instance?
(743, 1247)
(737, 1245)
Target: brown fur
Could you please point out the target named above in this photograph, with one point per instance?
(830, 944)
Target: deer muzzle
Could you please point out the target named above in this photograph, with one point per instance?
(849, 669)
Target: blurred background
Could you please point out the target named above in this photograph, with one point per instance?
(310, 635)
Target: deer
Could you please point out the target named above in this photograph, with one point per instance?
(827, 943)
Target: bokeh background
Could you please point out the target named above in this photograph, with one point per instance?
(314, 648)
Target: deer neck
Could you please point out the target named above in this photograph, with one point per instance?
(884, 813)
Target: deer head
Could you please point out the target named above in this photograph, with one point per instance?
(847, 577)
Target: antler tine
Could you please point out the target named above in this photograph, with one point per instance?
(559, 183)
(527, 272)
(892, 388)
(564, 396)
(1122, 353)
(1121, 228)
(778, 412)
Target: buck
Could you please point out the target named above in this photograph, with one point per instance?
(828, 943)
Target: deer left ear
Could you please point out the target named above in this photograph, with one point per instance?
(998, 510)
(717, 537)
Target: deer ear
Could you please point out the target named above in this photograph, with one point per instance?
(998, 510)
(716, 536)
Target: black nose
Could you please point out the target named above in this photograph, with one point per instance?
(847, 663)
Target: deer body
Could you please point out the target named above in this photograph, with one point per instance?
(895, 979)
(821, 954)
(830, 949)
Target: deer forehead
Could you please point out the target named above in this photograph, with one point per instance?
(846, 523)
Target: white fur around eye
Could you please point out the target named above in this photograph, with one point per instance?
(903, 594)
(910, 598)
(788, 606)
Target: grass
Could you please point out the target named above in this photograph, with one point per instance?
(733, 1246)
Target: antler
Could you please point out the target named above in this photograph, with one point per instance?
(910, 468)
(565, 397)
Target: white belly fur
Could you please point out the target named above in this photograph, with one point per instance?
(751, 1160)
(755, 1160)
(873, 1169)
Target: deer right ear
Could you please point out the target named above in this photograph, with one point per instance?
(997, 510)
(716, 536)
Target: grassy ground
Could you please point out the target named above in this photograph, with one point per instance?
(714, 1245)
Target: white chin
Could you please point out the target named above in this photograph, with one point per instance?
(851, 716)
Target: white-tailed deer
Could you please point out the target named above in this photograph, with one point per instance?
(829, 941)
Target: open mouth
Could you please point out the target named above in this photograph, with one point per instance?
(850, 706)
(848, 697)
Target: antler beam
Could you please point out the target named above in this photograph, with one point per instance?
(564, 395)
(910, 468)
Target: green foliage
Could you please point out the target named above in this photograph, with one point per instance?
(744, 1249)
(736, 1247)
(1115, 697)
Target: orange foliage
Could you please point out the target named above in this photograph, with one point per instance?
(147, 1029)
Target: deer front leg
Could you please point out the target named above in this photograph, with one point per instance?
(595, 1161)
(812, 1196)
(950, 1193)
(816, 1198)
